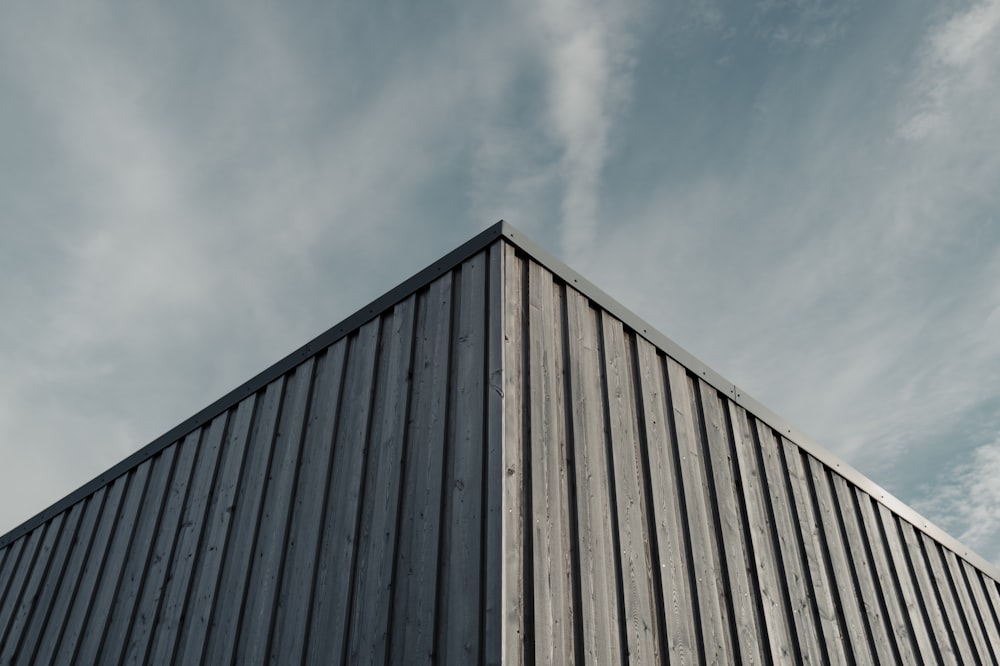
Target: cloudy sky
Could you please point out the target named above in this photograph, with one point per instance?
(803, 193)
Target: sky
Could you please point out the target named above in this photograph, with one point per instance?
(804, 194)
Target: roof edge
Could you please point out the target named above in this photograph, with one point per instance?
(751, 405)
(424, 277)
(265, 377)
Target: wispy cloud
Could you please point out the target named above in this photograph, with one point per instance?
(967, 501)
(588, 52)
(217, 202)
(843, 269)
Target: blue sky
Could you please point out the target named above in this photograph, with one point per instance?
(804, 194)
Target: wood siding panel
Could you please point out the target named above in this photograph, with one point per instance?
(349, 509)
(498, 464)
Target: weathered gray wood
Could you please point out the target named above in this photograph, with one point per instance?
(174, 605)
(137, 563)
(52, 630)
(899, 562)
(900, 620)
(635, 553)
(967, 608)
(750, 638)
(844, 583)
(956, 622)
(792, 562)
(415, 594)
(987, 619)
(602, 643)
(377, 538)
(552, 567)
(774, 602)
(514, 604)
(6, 567)
(213, 548)
(147, 610)
(33, 618)
(269, 547)
(925, 586)
(328, 627)
(11, 565)
(493, 471)
(34, 541)
(819, 582)
(459, 591)
(16, 613)
(292, 617)
(111, 570)
(867, 581)
(247, 505)
(713, 614)
(993, 593)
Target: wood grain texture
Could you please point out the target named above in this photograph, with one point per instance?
(516, 617)
(751, 636)
(598, 613)
(718, 641)
(545, 404)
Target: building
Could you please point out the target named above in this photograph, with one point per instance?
(492, 463)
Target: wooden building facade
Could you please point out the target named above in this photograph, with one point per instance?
(492, 463)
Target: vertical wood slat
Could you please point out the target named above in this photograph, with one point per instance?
(173, 609)
(599, 606)
(148, 605)
(676, 591)
(967, 609)
(121, 616)
(812, 549)
(985, 614)
(553, 599)
(493, 468)
(929, 648)
(33, 619)
(775, 606)
(871, 588)
(955, 623)
(121, 540)
(292, 616)
(336, 556)
(515, 617)
(928, 598)
(787, 531)
(459, 626)
(901, 627)
(233, 576)
(376, 549)
(21, 574)
(414, 601)
(844, 583)
(15, 613)
(269, 547)
(714, 620)
(750, 638)
(53, 629)
(634, 551)
(219, 519)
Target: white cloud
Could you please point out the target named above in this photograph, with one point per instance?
(588, 51)
(967, 501)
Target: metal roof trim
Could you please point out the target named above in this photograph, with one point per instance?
(595, 294)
